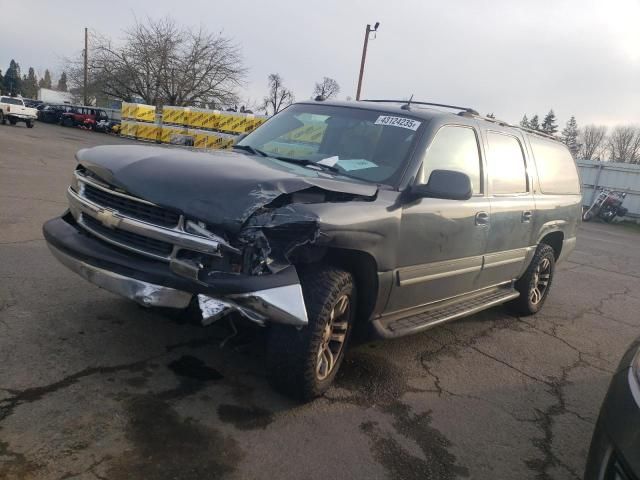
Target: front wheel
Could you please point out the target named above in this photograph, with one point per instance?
(534, 285)
(3, 121)
(29, 123)
(302, 363)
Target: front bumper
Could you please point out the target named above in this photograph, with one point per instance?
(264, 298)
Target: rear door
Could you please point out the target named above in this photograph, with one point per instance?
(442, 241)
(512, 207)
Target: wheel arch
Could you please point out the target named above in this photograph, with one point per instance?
(555, 240)
(364, 268)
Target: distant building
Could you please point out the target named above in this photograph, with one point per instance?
(54, 96)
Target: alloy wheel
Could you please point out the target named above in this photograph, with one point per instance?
(541, 278)
(333, 337)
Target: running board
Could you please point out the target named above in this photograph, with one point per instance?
(445, 311)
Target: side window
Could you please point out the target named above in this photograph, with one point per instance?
(556, 169)
(505, 160)
(454, 148)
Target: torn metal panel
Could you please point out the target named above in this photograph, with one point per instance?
(212, 309)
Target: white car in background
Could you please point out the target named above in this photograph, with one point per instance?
(14, 110)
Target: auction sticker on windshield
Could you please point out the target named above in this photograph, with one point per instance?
(398, 122)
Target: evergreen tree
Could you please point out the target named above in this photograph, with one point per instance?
(45, 82)
(30, 84)
(12, 80)
(524, 123)
(534, 123)
(570, 136)
(62, 82)
(549, 124)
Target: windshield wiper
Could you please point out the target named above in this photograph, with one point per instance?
(250, 149)
(302, 161)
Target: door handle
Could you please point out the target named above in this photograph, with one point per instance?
(526, 216)
(482, 219)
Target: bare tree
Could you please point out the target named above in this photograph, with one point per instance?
(326, 89)
(592, 142)
(623, 145)
(279, 96)
(163, 63)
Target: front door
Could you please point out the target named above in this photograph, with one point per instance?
(442, 242)
(512, 208)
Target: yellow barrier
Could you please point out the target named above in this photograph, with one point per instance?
(202, 127)
(168, 131)
(176, 115)
(148, 131)
(144, 113)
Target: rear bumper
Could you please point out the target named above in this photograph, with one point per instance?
(265, 298)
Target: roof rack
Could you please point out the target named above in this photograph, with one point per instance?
(406, 105)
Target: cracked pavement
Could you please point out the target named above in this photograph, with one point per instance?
(94, 387)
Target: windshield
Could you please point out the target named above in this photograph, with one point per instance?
(364, 144)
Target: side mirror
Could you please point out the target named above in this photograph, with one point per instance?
(446, 184)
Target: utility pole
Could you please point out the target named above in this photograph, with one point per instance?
(367, 31)
(86, 59)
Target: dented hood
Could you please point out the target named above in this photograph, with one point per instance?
(221, 188)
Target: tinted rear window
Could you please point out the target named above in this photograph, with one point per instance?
(12, 101)
(556, 168)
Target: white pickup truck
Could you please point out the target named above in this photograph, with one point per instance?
(13, 109)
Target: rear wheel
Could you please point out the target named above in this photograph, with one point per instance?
(302, 363)
(12, 121)
(534, 285)
(29, 123)
(3, 121)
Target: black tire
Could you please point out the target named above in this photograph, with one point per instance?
(3, 120)
(294, 356)
(12, 121)
(529, 303)
(30, 123)
(588, 216)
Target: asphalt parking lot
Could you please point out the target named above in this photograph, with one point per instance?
(93, 386)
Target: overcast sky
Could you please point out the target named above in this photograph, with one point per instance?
(509, 57)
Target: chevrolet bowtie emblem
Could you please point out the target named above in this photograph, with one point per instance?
(108, 218)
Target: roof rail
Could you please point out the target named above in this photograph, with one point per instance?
(406, 105)
(502, 123)
(536, 132)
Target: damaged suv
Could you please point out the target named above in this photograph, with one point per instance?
(391, 216)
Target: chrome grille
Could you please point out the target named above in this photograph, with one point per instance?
(127, 205)
(127, 239)
(140, 226)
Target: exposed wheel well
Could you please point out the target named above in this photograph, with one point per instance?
(364, 269)
(554, 240)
